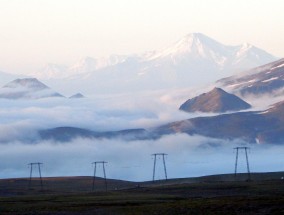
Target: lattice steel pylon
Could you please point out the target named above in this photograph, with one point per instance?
(164, 164)
(247, 161)
(104, 171)
(39, 171)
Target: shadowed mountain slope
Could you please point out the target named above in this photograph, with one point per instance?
(254, 127)
(217, 101)
(65, 134)
(27, 88)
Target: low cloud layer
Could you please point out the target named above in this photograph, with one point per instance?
(129, 160)
(19, 118)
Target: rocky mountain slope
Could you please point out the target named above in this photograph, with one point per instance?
(265, 79)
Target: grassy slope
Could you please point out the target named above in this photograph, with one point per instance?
(203, 197)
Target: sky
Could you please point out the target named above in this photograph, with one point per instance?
(36, 32)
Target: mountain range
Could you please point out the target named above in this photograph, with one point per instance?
(193, 60)
(65, 134)
(30, 88)
(253, 126)
(262, 127)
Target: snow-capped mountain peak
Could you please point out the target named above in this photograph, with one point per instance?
(246, 45)
(193, 60)
(84, 65)
(243, 49)
(248, 56)
(52, 70)
(194, 44)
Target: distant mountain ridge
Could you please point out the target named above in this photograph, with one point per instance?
(83, 67)
(66, 134)
(215, 101)
(193, 60)
(261, 127)
(265, 79)
(77, 96)
(253, 126)
(27, 88)
(31, 83)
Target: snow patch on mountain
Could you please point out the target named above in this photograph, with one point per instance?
(267, 79)
(81, 68)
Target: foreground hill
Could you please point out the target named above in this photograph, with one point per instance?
(216, 101)
(73, 184)
(72, 195)
(27, 88)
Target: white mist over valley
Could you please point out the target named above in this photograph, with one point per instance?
(188, 155)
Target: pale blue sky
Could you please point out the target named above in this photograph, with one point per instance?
(35, 32)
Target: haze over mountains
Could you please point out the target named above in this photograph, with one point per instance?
(252, 127)
(264, 127)
(193, 60)
(7, 77)
(38, 124)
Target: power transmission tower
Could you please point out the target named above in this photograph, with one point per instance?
(164, 164)
(247, 161)
(31, 172)
(104, 171)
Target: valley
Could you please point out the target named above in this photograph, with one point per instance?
(141, 107)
